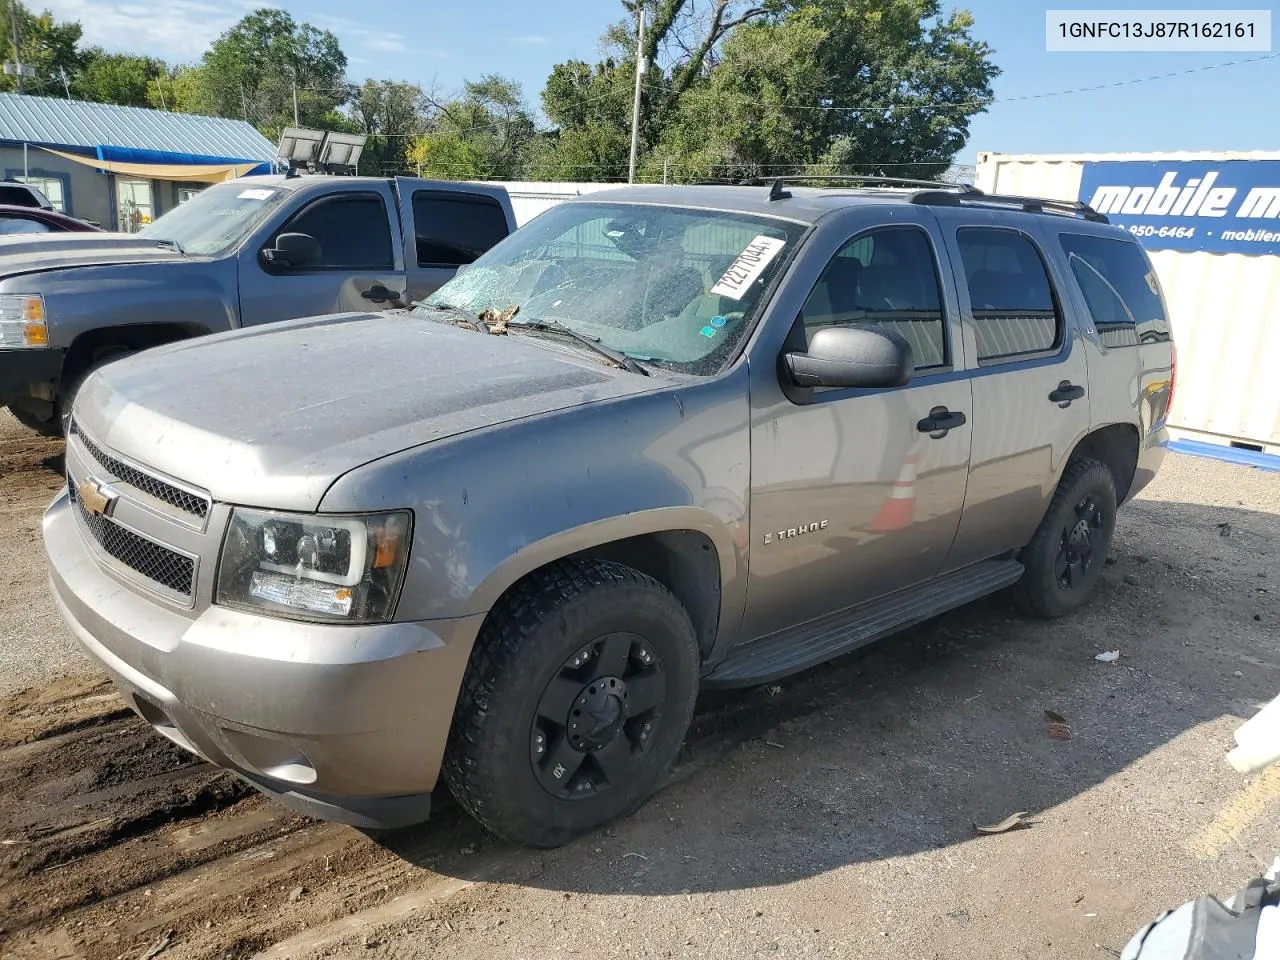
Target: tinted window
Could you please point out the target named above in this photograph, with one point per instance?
(886, 277)
(1013, 305)
(1119, 287)
(353, 232)
(22, 225)
(455, 228)
(18, 196)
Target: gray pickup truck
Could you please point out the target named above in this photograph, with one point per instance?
(241, 253)
(655, 441)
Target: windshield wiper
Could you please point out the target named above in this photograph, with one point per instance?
(617, 357)
(164, 242)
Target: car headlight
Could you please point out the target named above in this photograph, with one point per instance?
(346, 569)
(22, 320)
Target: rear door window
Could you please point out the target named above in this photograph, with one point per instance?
(453, 228)
(1014, 309)
(1119, 287)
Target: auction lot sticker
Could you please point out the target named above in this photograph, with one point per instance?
(745, 270)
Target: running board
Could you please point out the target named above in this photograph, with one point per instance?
(817, 641)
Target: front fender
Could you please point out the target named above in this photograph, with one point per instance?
(493, 505)
(80, 300)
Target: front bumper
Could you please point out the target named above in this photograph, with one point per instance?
(347, 723)
(20, 370)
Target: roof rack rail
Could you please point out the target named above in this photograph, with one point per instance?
(777, 189)
(1029, 204)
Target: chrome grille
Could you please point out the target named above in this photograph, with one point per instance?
(184, 500)
(157, 563)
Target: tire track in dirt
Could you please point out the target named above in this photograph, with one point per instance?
(115, 836)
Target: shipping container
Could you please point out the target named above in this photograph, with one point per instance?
(1211, 225)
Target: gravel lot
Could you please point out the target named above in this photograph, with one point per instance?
(831, 814)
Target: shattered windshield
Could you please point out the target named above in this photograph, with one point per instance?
(215, 220)
(666, 285)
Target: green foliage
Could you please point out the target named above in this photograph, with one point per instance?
(46, 45)
(389, 113)
(119, 78)
(252, 69)
(734, 88)
(788, 86)
(487, 133)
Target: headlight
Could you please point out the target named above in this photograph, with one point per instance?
(22, 320)
(307, 567)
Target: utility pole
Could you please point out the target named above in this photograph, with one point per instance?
(65, 85)
(17, 68)
(641, 69)
(295, 95)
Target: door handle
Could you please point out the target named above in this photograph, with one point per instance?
(940, 420)
(1065, 393)
(379, 294)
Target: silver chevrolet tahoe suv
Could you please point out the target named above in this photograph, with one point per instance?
(658, 440)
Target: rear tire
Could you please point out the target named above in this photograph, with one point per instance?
(1065, 557)
(575, 702)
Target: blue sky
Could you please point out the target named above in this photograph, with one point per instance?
(439, 44)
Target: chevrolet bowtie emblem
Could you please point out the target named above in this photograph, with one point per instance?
(98, 499)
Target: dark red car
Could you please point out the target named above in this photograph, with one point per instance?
(35, 220)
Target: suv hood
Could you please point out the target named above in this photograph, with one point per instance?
(27, 253)
(273, 416)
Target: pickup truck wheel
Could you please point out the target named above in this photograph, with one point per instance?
(575, 702)
(71, 386)
(49, 428)
(1065, 557)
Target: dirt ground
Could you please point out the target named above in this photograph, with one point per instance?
(830, 814)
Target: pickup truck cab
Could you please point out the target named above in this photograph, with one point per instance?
(656, 440)
(242, 253)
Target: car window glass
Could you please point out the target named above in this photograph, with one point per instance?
(22, 225)
(1120, 288)
(1014, 311)
(352, 231)
(455, 228)
(888, 278)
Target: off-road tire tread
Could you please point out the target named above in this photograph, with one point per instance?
(1036, 593)
(503, 640)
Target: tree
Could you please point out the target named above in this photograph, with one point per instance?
(182, 90)
(389, 113)
(118, 78)
(252, 70)
(44, 44)
(486, 134)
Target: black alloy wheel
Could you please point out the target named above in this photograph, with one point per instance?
(597, 716)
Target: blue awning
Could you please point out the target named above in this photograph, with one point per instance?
(135, 155)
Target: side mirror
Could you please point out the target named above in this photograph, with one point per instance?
(852, 356)
(293, 250)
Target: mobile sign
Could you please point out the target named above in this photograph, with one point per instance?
(1232, 206)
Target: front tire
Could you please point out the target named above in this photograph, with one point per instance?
(1065, 557)
(100, 357)
(46, 428)
(575, 702)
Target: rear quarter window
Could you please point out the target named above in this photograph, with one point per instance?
(1119, 287)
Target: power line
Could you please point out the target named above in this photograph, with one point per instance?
(882, 107)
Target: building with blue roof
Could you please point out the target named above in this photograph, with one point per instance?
(121, 167)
